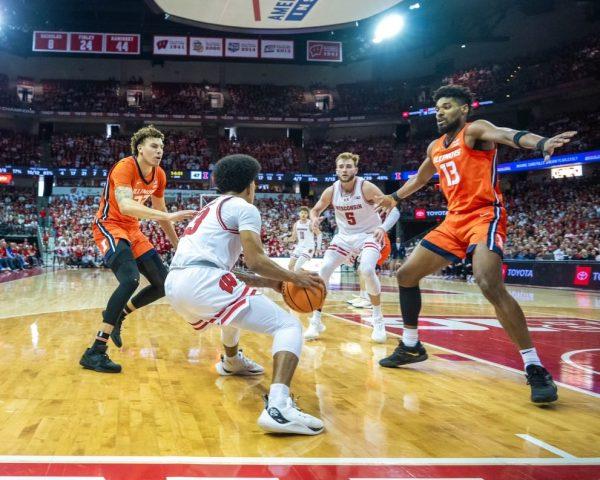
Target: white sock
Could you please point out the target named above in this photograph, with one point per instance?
(530, 357)
(278, 395)
(364, 294)
(410, 336)
(316, 318)
(377, 311)
(232, 359)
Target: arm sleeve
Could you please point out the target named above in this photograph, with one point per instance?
(123, 175)
(162, 183)
(249, 218)
(391, 219)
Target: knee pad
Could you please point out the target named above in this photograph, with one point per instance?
(152, 267)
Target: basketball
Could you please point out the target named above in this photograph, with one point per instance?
(303, 300)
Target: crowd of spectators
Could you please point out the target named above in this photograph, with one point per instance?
(376, 154)
(15, 256)
(19, 149)
(554, 220)
(18, 212)
(276, 155)
(183, 150)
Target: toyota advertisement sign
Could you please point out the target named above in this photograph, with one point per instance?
(552, 274)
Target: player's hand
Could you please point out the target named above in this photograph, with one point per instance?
(555, 142)
(385, 203)
(181, 215)
(379, 235)
(306, 279)
(315, 224)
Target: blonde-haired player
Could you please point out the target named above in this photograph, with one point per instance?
(304, 237)
(360, 231)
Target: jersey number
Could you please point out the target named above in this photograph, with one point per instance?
(451, 173)
(228, 283)
(195, 223)
(301, 235)
(350, 218)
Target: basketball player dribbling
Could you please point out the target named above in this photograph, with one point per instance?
(465, 159)
(360, 231)
(202, 288)
(304, 237)
(126, 250)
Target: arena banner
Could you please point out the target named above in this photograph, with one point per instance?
(87, 42)
(241, 47)
(318, 51)
(424, 214)
(548, 273)
(206, 47)
(270, 16)
(277, 49)
(170, 45)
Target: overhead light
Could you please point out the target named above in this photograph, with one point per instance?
(389, 27)
(463, 46)
(414, 6)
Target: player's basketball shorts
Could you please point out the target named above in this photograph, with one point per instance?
(386, 251)
(351, 245)
(459, 233)
(306, 251)
(207, 296)
(106, 235)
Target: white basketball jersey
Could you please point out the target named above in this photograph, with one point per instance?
(214, 234)
(306, 237)
(352, 212)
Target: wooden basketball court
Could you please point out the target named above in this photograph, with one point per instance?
(463, 413)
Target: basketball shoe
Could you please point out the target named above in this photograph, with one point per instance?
(238, 365)
(288, 419)
(379, 335)
(404, 355)
(97, 359)
(315, 328)
(363, 303)
(543, 388)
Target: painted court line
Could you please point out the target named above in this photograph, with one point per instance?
(566, 357)
(545, 446)
(222, 478)
(471, 357)
(171, 460)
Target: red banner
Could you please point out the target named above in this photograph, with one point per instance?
(50, 41)
(85, 42)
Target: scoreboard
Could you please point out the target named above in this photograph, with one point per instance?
(87, 42)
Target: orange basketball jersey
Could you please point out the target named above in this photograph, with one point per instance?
(127, 173)
(468, 177)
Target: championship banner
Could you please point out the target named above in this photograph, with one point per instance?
(277, 49)
(241, 48)
(206, 47)
(318, 51)
(167, 45)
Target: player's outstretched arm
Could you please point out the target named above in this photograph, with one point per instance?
(294, 236)
(488, 132)
(258, 262)
(128, 206)
(158, 203)
(385, 203)
(372, 192)
(319, 208)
